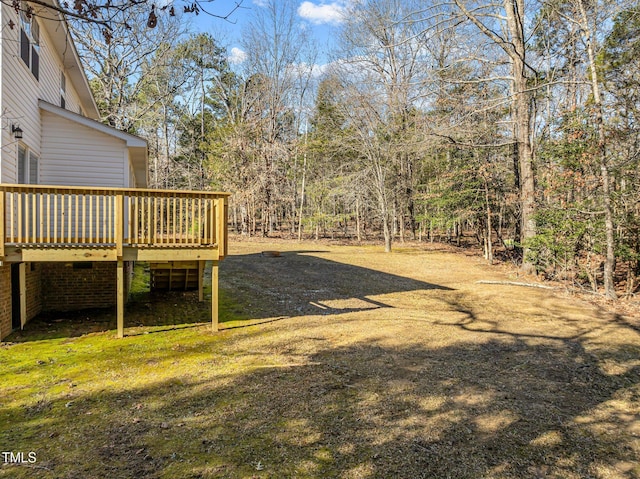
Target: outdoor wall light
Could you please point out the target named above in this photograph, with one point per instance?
(17, 132)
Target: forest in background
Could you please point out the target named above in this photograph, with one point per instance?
(513, 122)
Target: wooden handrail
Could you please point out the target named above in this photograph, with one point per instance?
(119, 222)
(108, 190)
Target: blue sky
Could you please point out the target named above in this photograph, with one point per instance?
(320, 18)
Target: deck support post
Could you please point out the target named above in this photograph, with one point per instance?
(214, 296)
(119, 224)
(120, 298)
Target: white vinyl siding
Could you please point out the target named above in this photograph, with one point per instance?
(71, 151)
(2, 135)
(50, 71)
(21, 92)
(76, 155)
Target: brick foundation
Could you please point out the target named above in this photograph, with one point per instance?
(5, 300)
(61, 287)
(34, 289)
(66, 287)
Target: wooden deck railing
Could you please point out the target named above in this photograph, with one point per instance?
(85, 216)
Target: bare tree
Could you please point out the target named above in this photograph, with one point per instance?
(587, 28)
(276, 47)
(505, 26)
(114, 67)
(384, 70)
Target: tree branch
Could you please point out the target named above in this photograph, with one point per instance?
(58, 9)
(90, 11)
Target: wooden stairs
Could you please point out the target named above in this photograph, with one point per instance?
(175, 276)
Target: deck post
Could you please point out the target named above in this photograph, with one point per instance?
(120, 267)
(120, 298)
(225, 227)
(221, 219)
(119, 224)
(214, 296)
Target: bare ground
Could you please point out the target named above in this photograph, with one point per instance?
(343, 361)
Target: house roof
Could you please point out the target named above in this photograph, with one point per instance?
(58, 30)
(137, 146)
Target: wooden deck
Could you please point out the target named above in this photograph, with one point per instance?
(68, 224)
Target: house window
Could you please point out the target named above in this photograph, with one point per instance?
(27, 166)
(63, 90)
(30, 43)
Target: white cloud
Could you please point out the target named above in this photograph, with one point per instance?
(237, 56)
(303, 69)
(324, 13)
(318, 70)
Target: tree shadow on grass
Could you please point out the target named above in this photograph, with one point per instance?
(298, 283)
(504, 407)
(459, 396)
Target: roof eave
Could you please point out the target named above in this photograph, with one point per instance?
(131, 141)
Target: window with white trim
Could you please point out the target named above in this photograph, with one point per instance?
(30, 42)
(27, 166)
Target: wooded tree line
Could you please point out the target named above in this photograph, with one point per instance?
(515, 122)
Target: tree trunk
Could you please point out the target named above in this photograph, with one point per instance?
(522, 116)
(302, 189)
(358, 226)
(386, 230)
(385, 214)
(610, 259)
(489, 250)
(514, 45)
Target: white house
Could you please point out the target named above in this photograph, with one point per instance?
(45, 94)
(55, 251)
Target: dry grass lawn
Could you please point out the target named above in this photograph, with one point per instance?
(336, 361)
